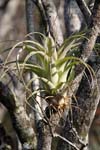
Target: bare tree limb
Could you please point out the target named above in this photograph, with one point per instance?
(64, 139)
(93, 28)
(84, 110)
(46, 130)
(35, 84)
(29, 16)
(43, 128)
(85, 10)
(20, 120)
(87, 45)
(87, 101)
(53, 20)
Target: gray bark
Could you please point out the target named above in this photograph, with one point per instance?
(73, 17)
(20, 120)
(53, 21)
(75, 131)
(85, 10)
(88, 96)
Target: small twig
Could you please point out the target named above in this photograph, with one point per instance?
(79, 139)
(64, 139)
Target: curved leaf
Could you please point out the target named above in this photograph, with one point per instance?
(39, 71)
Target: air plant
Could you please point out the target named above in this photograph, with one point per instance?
(54, 66)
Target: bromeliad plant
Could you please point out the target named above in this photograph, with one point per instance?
(54, 66)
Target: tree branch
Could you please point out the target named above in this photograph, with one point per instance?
(88, 97)
(85, 10)
(86, 50)
(20, 120)
(53, 20)
(94, 27)
(29, 16)
(35, 84)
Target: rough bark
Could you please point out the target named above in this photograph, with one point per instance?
(43, 128)
(53, 21)
(88, 95)
(94, 28)
(73, 17)
(35, 85)
(6, 129)
(20, 120)
(44, 136)
(46, 131)
(29, 16)
(83, 114)
(88, 43)
(86, 49)
(88, 100)
(46, 128)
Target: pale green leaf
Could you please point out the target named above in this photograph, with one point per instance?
(38, 70)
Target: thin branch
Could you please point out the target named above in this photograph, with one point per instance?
(94, 28)
(64, 139)
(88, 45)
(85, 10)
(30, 29)
(29, 16)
